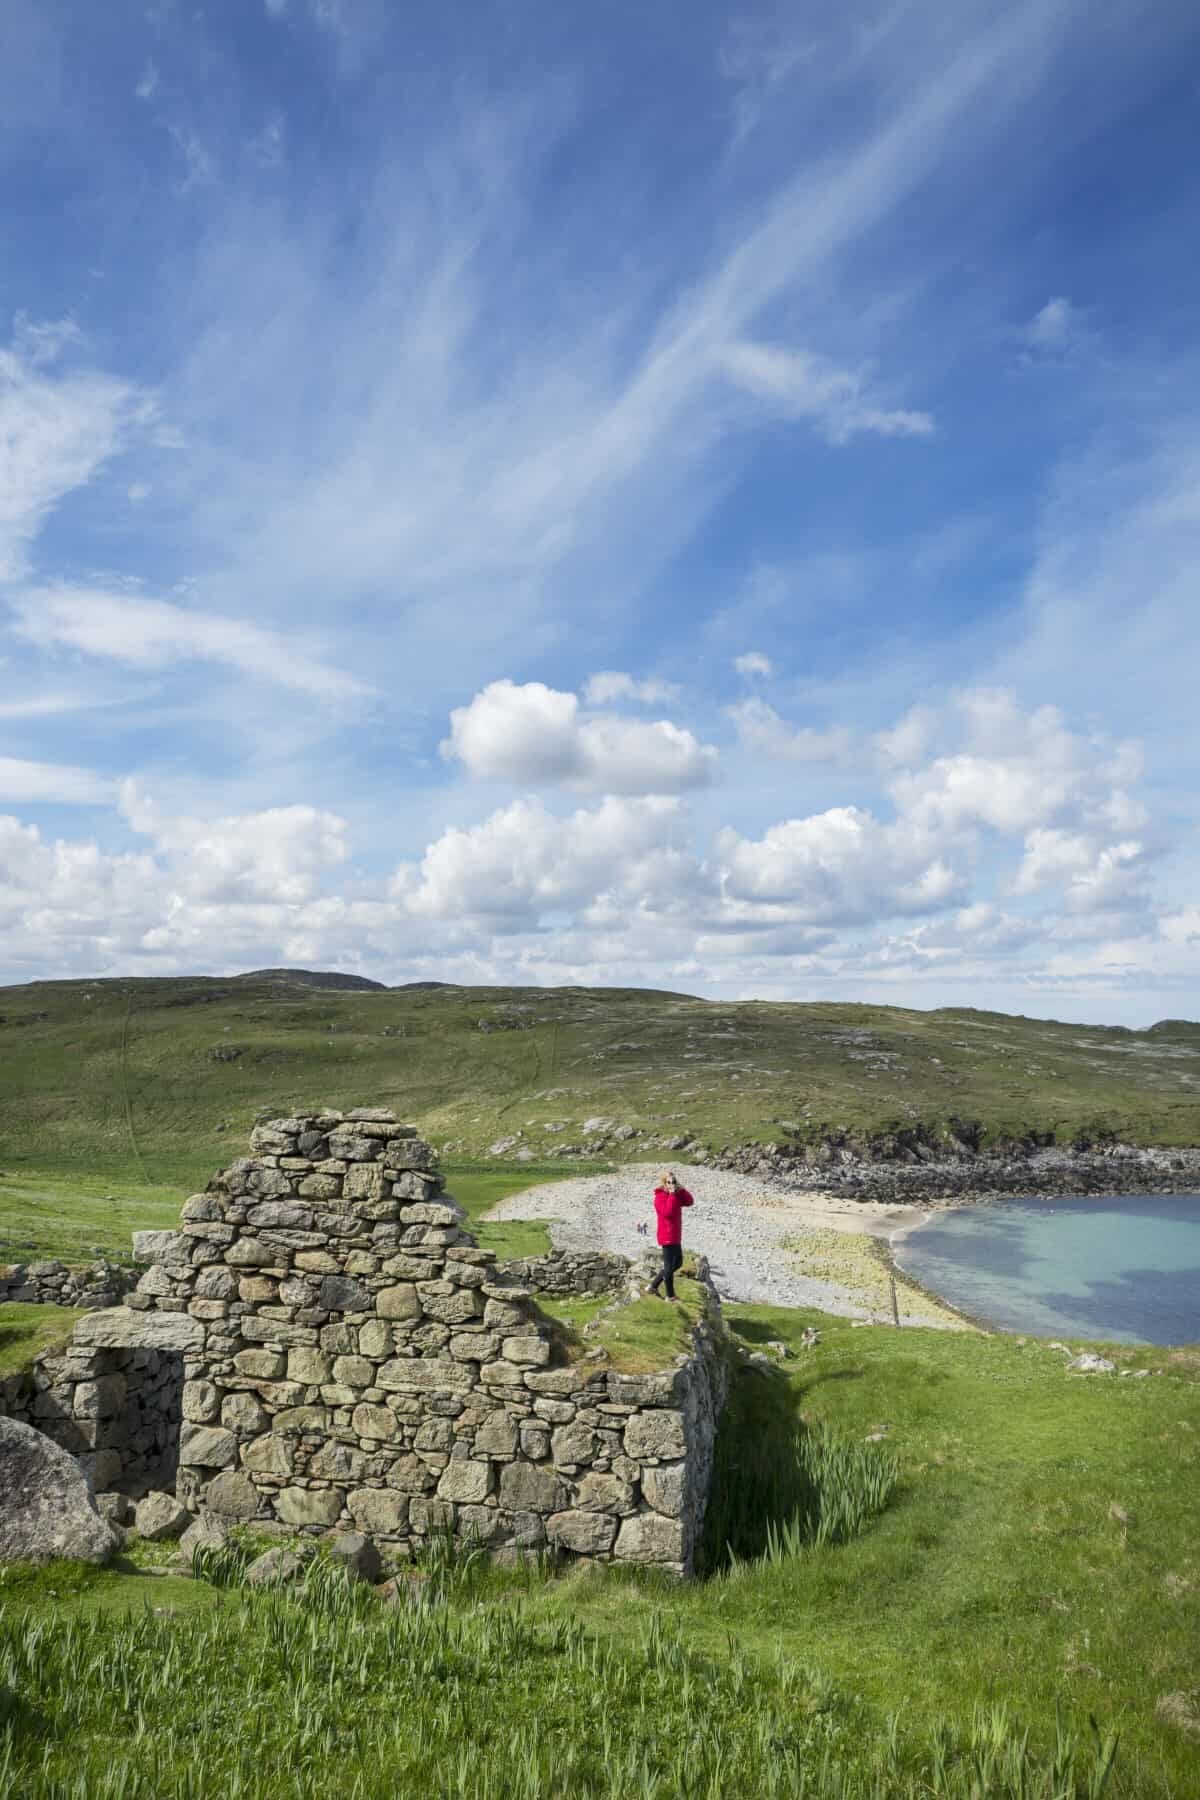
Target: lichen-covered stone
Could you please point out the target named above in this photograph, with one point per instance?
(308, 1506)
(379, 1511)
(209, 1447)
(465, 1480)
(648, 1538)
(589, 1533)
(232, 1495)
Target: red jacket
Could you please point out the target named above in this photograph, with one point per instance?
(670, 1215)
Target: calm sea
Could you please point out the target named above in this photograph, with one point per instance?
(1126, 1267)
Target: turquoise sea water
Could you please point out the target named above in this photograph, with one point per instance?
(1126, 1267)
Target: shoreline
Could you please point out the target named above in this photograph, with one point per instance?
(766, 1243)
(772, 1242)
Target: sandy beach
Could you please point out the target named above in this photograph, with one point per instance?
(764, 1242)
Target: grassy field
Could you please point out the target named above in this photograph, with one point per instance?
(75, 1216)
(25, 1331)
(1035, 1572)
(140, 1086)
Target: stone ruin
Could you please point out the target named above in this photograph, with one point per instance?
(321, 1345)
(52, 1283)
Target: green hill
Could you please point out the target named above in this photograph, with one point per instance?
(155, 1080)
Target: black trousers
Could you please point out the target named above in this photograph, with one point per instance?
(672, 1255)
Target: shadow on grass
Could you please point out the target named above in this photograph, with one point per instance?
(779, 1487)
(19, 1721)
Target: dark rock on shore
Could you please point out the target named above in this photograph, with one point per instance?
(922, 1173)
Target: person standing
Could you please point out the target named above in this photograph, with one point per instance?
(669, 1201)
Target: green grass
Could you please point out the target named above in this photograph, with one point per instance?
(325, 1691)
(1033, 1568)
(478, 1189)
(68, 1590)
(999, 1573)
(639, 1336)
(118, 1081)
(75, 1217)
(25, 1331)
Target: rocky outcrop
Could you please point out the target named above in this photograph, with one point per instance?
(913, 1167)
(47, 1508)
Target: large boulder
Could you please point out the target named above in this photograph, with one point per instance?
(47, 1507)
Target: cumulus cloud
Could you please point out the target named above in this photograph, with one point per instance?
(525, 861)
(58, 429)
(276, 855)
(753, 662)
(153, 634)
(800, 385)
(531, 734)
(841, 867)
(147, 87)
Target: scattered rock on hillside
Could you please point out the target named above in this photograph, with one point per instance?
(503, 1145)
(1182, 1711)
(1088, 1363)
(47, 1507)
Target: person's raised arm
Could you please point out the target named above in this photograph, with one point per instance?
(683, 1197)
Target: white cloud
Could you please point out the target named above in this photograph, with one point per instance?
(533, 734)
(152, 634)
(57, 432)
(760, 729)
(33, 783)
(147, 87)
(800, 385)
(909, 739)
(138, 491)
(753, 662)
(276, 8)
(277, 855)
(524, 861)
(841, 867)
(1055, 328)
(1092, 875)
(611, 684)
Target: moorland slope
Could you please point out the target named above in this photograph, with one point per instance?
(153, 1078)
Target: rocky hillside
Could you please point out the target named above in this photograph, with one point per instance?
(133, 1076)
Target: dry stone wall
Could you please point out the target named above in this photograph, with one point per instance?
(352, 1357)
(563, 1273)
(115, 1409)
(48, 1283)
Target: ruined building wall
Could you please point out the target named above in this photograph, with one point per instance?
(352, 1357)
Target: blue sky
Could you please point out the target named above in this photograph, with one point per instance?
(668, 495)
